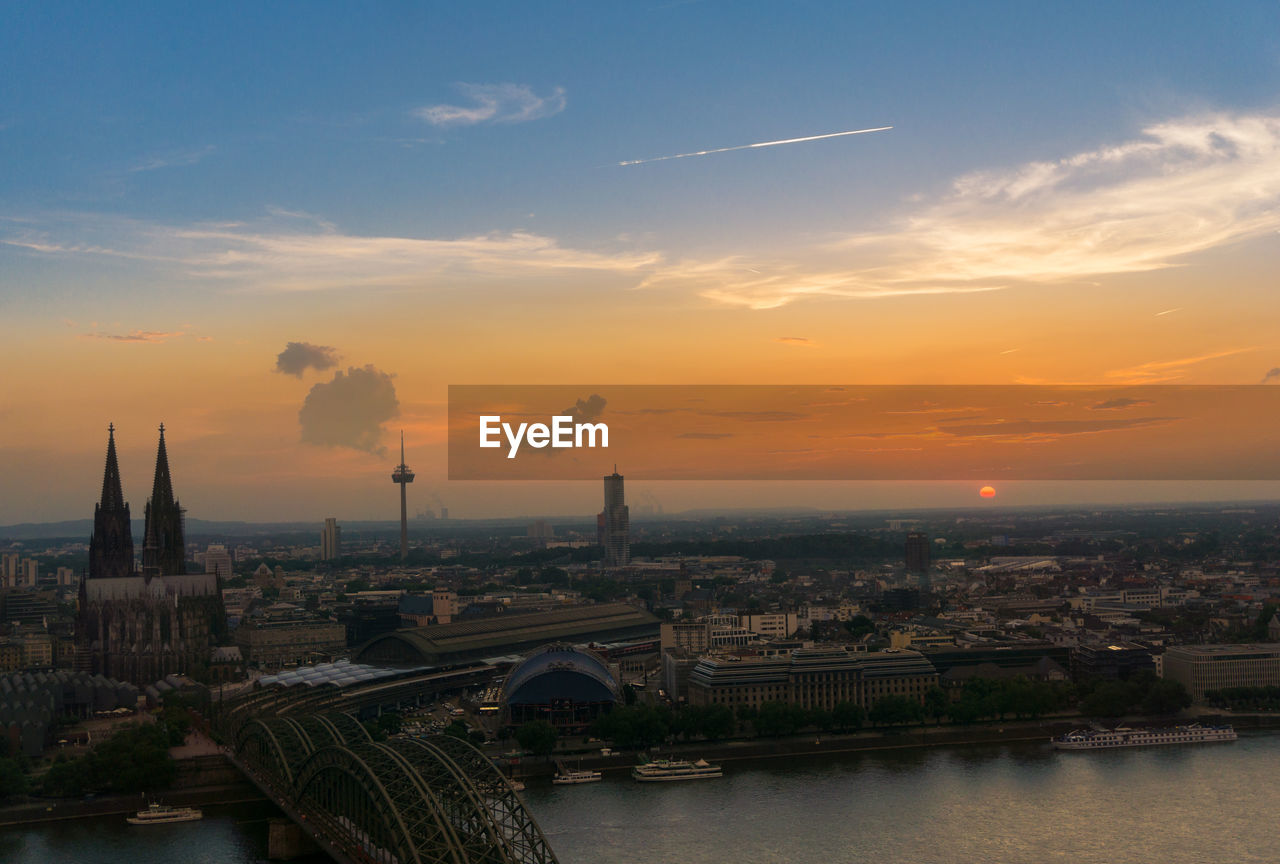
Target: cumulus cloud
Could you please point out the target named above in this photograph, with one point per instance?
(1184, 186)
(586, 410)
(298, 357)
(1272, 375)
(494, 103)
(349, 410)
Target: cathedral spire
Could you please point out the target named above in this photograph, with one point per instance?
(163, 546)
(112, 495)
(111, 544)
(162, 485)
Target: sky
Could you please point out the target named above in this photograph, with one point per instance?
(284, 230)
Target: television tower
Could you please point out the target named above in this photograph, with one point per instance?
(403, 475)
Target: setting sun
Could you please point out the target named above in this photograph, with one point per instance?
(987, 491)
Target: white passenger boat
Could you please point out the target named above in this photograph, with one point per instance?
(660, 770)
(158, 814)
(1123, 736)
(572, 776)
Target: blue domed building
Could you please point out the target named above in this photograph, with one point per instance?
(566, 686)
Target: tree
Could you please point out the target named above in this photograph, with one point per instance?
(13, 780)
(936, 703)
(134, 759)
(1108, 699)
(896, 710)
(1166, 697)
(848, 716)
(458, 729)
(537, 736)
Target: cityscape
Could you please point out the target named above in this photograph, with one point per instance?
(819, 432)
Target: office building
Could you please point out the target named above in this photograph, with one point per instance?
(617, 523)
(331, 539)
(1202, 668)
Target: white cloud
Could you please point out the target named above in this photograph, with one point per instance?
(494, 103)
(298, 252)
(1185, 186)
(173, 159)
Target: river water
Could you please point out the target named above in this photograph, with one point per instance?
(997, 803)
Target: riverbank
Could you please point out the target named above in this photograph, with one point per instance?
(202, 780)
(60, 809)
(813, 744)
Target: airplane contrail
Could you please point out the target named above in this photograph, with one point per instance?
(753, 146)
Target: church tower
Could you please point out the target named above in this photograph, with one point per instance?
(163, 549)
(111, 544)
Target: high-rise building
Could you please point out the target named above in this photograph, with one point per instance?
(617, 523)
(331, 540)
(917, 558)
(403, 476)
(139, 627)
(218, 560)
(917, 552)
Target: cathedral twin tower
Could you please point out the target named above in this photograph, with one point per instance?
(135, 625)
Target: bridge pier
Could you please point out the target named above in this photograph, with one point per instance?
(287, 841)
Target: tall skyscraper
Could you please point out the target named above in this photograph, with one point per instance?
(403, 476)
(331, 539)
(917, 557)
(617, 523)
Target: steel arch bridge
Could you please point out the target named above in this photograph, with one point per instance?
(404, 801)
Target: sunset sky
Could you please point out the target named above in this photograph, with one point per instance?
(284, 230)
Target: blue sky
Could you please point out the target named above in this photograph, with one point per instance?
(219, 112)
(1070, 193)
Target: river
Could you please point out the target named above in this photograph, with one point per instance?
(989, 803)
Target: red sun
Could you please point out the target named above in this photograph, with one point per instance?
(987, 491)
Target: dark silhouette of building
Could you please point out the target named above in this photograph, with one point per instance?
(402, 476)
(111, 544)
(917, 559)
(617, 523)
(917, 552)
(1117, 662)
(141, 626)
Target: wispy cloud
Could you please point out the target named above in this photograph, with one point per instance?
(174, 159)
(494, 103)
(1182, 187)
(1119, 404)
(291, 251)
(144, 336)
(1272, 375)
(1159, 371)
(800, 341)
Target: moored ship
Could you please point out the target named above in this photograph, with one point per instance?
(1123, 736)
(571, 776)
(675, 769)
(158, 814)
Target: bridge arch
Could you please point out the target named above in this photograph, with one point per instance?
(345, 795)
